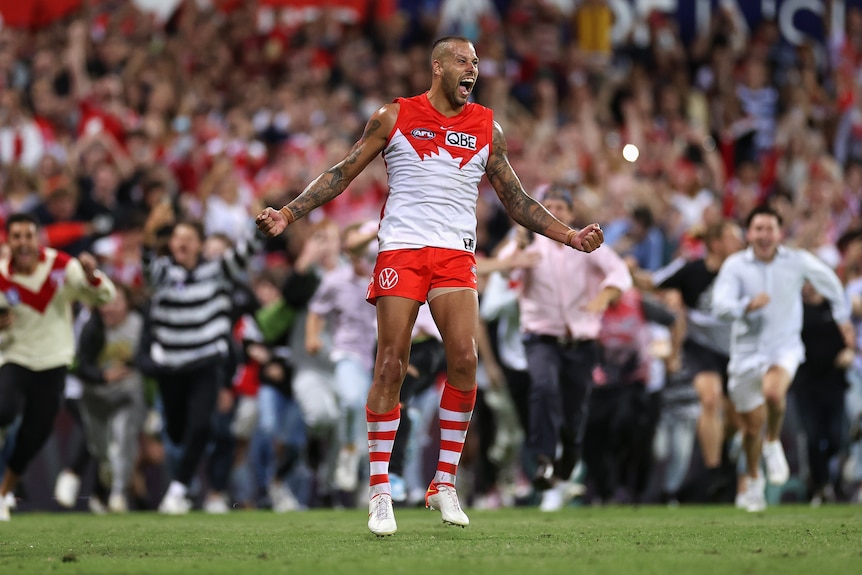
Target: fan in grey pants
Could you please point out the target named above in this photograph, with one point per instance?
(112, 405)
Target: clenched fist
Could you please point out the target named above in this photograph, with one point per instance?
(273, 222)
(587, 238)
(89, 265)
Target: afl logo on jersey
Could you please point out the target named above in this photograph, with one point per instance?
(387, 278)
(461, 140)
(423, 134)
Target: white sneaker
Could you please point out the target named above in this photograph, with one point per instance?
(777, 470)
(10, 501)
(66, 489)
(381, 516)
(346, 477)
(174, 505)
(444, 498)
(558, 496)
(755, 494)
(96, 507)
(117, 503)
(282, 498)
(216, 504)
(552, 499)
(5, 515)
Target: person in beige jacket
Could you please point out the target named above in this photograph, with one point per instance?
(37, 288)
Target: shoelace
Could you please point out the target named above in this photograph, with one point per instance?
(452, 495)
(380, 510)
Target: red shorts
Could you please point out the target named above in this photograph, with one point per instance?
(413, 273)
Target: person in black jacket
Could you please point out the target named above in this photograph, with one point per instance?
(819, 389)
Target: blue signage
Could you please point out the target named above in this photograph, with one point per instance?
(798, 21)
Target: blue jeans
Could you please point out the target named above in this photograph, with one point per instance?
(279, 422)
(352, 382)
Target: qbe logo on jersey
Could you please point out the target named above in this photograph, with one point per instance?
(461, 140)
(387, 278)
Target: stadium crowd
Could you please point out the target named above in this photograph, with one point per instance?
(131, 137)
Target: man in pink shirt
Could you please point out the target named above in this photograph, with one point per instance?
(562, 299)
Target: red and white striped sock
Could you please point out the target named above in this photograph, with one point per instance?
(456, 410)
(381, 436)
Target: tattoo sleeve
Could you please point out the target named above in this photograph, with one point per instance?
(335, 180)
(522, 207)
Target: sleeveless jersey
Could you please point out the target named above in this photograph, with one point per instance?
(434, 165)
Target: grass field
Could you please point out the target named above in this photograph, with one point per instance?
(617, 540)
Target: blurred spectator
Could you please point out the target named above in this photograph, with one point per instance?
(112, 405)
(641, 239)
(339, 307)
(39, 287)
(313, 378)
(702, 342)
(759, 290)
(623, 415)
(21, 141)
(819, 388)
(852, 469)
(562, 299)
(187, 344)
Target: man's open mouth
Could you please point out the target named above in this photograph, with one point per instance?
(465, 86)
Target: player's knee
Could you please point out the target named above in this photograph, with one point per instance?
(391, 368)
(462, 364)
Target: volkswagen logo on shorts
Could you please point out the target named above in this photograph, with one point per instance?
(387, 278)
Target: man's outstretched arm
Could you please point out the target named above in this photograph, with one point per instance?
(335, 180)
(526, 210)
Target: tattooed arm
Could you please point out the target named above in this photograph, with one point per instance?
(527, 211)
(335, 180)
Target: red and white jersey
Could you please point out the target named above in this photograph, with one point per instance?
(434, 164)
(41, 334)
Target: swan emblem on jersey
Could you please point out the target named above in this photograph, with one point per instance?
(387, 278)
(460, 147)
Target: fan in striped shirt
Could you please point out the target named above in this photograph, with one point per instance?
(188, 337)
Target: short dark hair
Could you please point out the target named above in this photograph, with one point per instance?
(446, 40)
(194, 225)
(643, 215)
(559, 192)
(19, 218)
(763, 210)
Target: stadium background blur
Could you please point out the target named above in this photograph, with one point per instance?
(224, 106)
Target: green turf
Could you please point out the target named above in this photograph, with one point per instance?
(618, 540)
